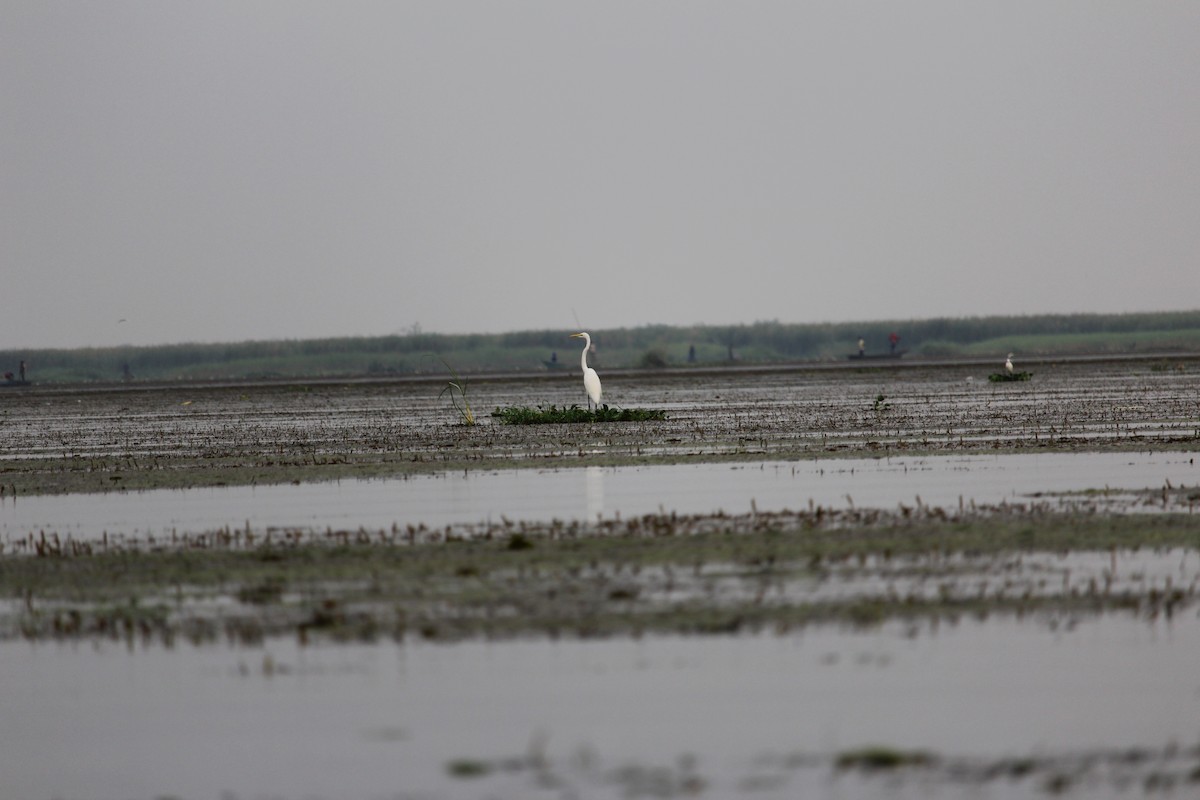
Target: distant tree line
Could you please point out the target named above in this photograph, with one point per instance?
(651, 345)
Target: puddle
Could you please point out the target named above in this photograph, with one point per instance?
(590, 492)
(542, 718)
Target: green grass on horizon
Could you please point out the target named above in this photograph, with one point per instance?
(648, 346)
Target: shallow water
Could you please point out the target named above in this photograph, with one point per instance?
(385, 720)
(619, 717)
(588, 492)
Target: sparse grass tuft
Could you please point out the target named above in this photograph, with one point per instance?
(457, 389)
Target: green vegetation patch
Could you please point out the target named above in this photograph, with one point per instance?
(468, 768)
(881, 758)
(649, 346)
(1004, 377)
(523, 415)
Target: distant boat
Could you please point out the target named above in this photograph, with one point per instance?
(873, 356)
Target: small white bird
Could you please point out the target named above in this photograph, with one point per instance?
(1008, 367)
(591, 381)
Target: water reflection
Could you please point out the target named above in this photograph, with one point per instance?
(593, 492)
(471, 498)
(359, 720)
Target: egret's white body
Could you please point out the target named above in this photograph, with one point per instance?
(1008, 367)
(591, 381)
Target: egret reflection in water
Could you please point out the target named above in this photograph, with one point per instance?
(593, 479)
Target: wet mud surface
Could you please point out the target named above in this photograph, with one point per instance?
(55, 441)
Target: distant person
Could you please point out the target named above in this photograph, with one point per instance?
(893, 340)
(692, 354)
(22, 370)
(554, 357)
(862, 346)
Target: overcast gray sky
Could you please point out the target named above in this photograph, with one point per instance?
(231, 170)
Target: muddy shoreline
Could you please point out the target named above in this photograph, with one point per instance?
(70, 441)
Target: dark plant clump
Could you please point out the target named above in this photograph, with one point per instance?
(468, 768)
(882, 758)
(523, 415)
(1002, 377)
(519, 541)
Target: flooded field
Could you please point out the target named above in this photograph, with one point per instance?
(905, 582)
(989, 710)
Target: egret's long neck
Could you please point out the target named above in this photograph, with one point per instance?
(583, 356)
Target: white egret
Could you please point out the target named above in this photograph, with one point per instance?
(591, 381)
(1008, 367)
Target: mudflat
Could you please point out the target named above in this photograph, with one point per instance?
(81, 440)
